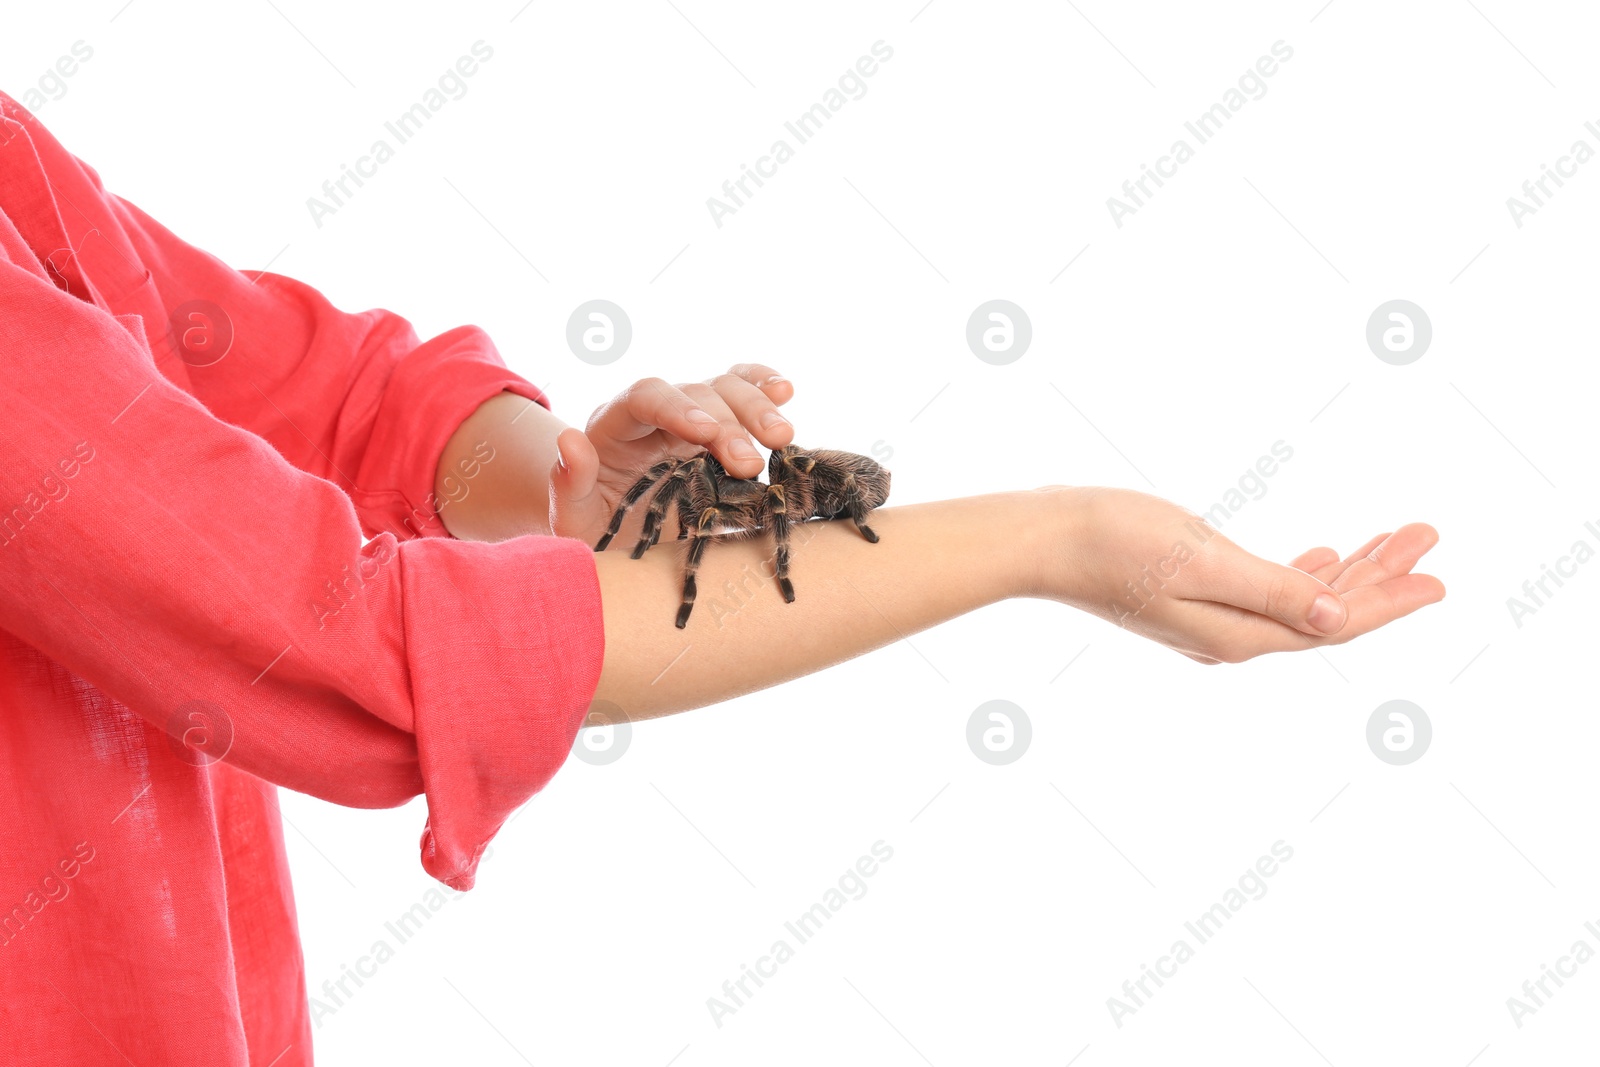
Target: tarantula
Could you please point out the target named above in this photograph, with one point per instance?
(801, 484)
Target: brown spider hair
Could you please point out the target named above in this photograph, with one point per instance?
(802, 484)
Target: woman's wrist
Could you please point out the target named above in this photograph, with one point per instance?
(1052, 527)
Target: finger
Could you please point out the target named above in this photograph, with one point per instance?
(778, 388)
(1313, 559)
(732, 445)
(1381, 603)
(1284, 594)
(650, 405)
(574, 477)
(1332, 570)
(754, 410)
(1395, 555)
(1370, 608)
(1249, 634)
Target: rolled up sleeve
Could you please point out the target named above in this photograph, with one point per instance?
(353, 397)
(187, 561)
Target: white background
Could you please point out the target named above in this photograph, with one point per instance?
(1226, 315)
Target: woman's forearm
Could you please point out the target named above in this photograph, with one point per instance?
(933, 562)
(1146, 565)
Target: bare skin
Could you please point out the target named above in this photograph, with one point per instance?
(1148, 565)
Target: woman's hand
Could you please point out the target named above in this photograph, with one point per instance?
(1162, 571)
(652, 420)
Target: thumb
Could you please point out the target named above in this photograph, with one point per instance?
(1285, 594)
(573, 479)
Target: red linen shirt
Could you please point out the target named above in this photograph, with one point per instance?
(191, 457)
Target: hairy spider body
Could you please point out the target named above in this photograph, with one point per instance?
(802, 484)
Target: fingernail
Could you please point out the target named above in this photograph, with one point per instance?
(697, 415)
(739, 448)
(776, 379)
(1327, 614)
(772, 419)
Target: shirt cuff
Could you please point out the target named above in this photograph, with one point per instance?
(431, 393)
(502, 674)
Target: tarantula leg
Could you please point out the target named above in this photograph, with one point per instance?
(659, 502)
(707, 520)
(686, 495)
(700, 492)
(685, 505)
(778, 515)
(857, 508)
(631, 497)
